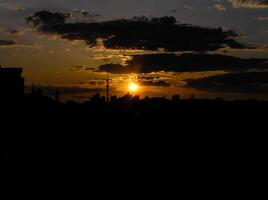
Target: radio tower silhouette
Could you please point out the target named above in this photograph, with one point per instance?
(107, 89)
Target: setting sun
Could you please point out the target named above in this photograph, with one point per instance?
(133, 87)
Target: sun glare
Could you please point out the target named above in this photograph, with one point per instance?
(133, 87)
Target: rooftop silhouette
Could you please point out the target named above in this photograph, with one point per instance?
(11, 83)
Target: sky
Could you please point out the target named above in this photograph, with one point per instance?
(55, 56)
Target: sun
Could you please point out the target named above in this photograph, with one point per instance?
(133, 87)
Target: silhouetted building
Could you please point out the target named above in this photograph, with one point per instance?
(136, 98)
(176, 98)
(57, 96)
(11, 83)
(114, 99)
(97, 99)
(37, 92)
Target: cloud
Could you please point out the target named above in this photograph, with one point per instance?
(220, 7)
(14, 44)
(159, 83)
(81, 13)
(14, 32)
(8, 31)
(46, 19)
(255, 4)
(80, 68)
(97, 82)
(12, 7)
(138, 33)
(183, 63)
(263, 18)
(248, 83)
(7, 43)
(115, 69)
(148, 78)
(188, 7)
(15, 8)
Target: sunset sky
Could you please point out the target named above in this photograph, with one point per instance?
(68, 46)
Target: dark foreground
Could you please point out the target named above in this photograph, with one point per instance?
(37, 129)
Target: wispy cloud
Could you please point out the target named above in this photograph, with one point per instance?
(220, 7)
(15, 44)
(262, 18)
(255, 4)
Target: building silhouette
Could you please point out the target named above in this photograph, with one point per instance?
(11, 83)
(57, 96)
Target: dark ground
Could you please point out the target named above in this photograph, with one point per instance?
(40, 129)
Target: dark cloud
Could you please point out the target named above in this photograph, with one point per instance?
(115, 69)
(249, 82)
(86, 14)
(47, 19)
(159, 83)
(14, 32)
(153, 81)
(7, 43)
(137, 33)
(97, 82)
(183, 63)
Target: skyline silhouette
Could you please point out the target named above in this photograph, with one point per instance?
(123, 126)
